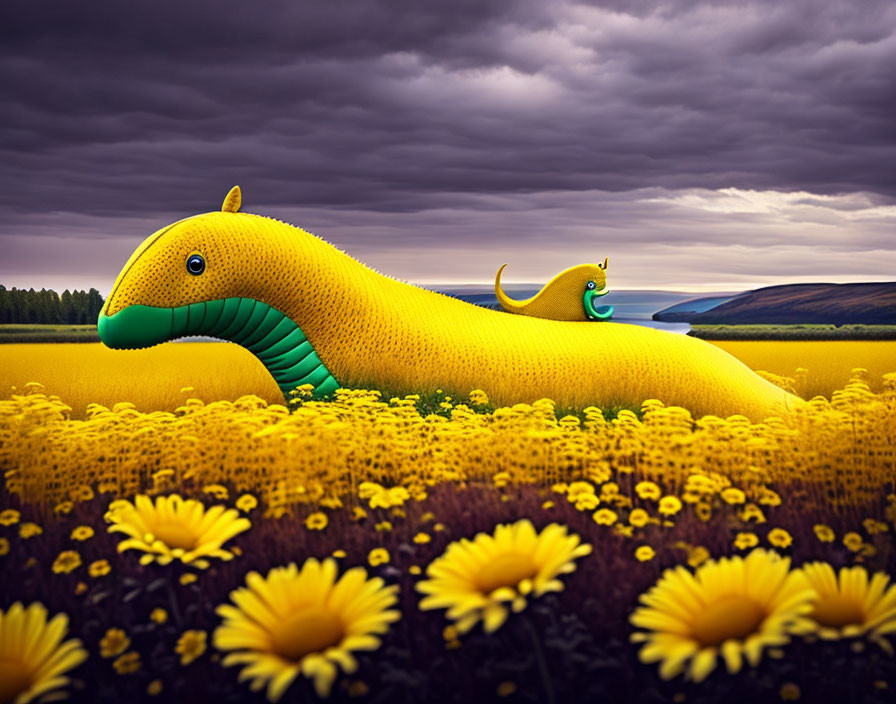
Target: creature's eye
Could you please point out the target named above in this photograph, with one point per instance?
(590, 285)
(195, 264)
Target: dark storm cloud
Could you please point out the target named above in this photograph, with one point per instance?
(129, 115)
(694, 240)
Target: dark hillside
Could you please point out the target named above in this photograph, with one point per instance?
(792, 304)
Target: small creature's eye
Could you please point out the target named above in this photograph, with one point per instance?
(195, 264)
(590, 285)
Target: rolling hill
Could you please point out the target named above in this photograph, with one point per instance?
(792, 304)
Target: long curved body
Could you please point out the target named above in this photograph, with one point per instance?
(573, 294)
(315, 315)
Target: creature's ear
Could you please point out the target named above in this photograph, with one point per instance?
(604, 265)
(233, 201)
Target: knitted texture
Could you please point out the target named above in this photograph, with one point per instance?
(372, 330)
(560, 298)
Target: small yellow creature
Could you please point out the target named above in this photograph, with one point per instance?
(570, 295)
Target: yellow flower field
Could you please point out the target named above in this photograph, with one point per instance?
(828, 364)
(199, 538)
(152, 378)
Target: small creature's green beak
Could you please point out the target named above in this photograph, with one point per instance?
(135, 327)
(592, 311)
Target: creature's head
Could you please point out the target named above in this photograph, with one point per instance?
(593, 275)
(586, 283)
(595, 287)
(201, 258)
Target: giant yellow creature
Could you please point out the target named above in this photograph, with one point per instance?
(314, 315)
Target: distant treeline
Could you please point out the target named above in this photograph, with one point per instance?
(48, 307)
(794, 332)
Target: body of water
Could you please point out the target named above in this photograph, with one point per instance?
(632, 307)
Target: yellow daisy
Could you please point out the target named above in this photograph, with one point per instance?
(175, 529)
(733, 496)
(98, 568)
(752, 512)
(33, 658)
(669, 505)
(648, 491)
(853, 541)
(67, 561)
(476, 579)
(849, 604)
(114, 642)
(82, 533)
(9, 517)
(190, 646)
(639, 518)
(316, 521)
(378, 556)
(306, 622)
(246, 503)
(733, 607)
(644, 553)
(697, 555)
(789, 692)
(703, 511)
(29, 530)
(127, 664)
(604, 517)
(779, 537)
(63, 508)
(745, 541)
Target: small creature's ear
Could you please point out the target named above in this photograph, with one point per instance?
(233, 201)
(604, 265)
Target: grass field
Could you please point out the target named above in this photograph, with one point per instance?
(18, 333)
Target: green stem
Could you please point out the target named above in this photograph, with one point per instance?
(172, 599)
(542, 663)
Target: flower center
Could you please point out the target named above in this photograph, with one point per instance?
(505, 571)
(730, 617)
(309, 630)
(13, 680)
(837, 611)
(175, 535)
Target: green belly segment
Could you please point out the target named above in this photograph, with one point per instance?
(266, 332)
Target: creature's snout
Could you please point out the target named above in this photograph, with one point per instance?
(135, 327)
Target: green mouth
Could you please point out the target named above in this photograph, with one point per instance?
(596, 312)
(267, 333)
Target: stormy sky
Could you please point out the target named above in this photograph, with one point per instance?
(700, 145)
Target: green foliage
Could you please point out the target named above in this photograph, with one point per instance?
(430, 402)
(794, 332)
(47, 307)
(36, 332)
